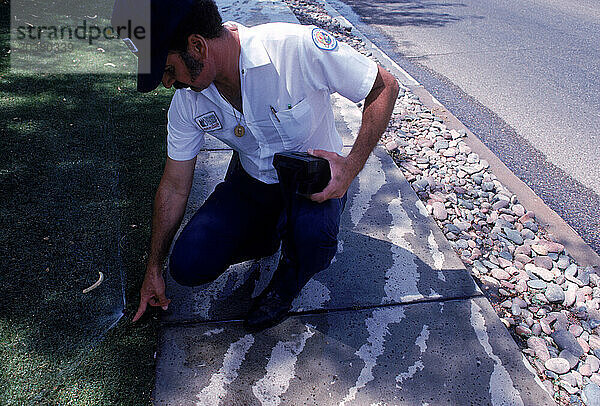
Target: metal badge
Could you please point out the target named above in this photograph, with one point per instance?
(239, 131)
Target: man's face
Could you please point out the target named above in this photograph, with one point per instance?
(185, 69)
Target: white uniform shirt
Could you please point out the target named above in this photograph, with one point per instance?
(288, 72)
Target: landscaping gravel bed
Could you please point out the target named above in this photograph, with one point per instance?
(548, 302)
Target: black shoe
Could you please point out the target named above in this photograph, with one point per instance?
(267, 311)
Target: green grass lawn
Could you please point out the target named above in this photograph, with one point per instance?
(82, 156)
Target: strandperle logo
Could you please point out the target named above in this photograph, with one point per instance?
(85, 31)
(77, 36)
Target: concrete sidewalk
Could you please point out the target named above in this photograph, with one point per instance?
(396, 319)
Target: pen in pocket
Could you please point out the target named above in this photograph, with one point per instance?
(274, 113)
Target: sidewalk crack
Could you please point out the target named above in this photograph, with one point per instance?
(194, 322)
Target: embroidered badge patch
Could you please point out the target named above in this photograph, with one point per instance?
(209, 121)
(323, 40)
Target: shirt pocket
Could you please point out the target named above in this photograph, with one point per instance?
(293, 124)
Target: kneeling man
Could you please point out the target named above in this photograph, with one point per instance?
(261, 90)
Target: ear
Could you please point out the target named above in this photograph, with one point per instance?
(197, 45)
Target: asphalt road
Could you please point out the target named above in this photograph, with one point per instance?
(523, 75)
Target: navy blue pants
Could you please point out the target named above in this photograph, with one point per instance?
(246, 219)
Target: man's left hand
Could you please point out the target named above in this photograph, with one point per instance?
(342, 175)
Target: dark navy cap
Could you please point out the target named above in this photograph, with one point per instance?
(146, 27)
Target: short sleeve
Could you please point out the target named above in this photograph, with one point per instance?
(329, 64)
(184, 138)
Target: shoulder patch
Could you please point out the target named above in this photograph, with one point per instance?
(323, 40)
(209, 121)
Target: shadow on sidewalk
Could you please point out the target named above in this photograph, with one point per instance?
(368, 272)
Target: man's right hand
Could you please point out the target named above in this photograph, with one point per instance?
(152, 293)
(169, 206)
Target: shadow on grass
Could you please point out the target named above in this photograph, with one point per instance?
(81, 163)
(82, 156)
